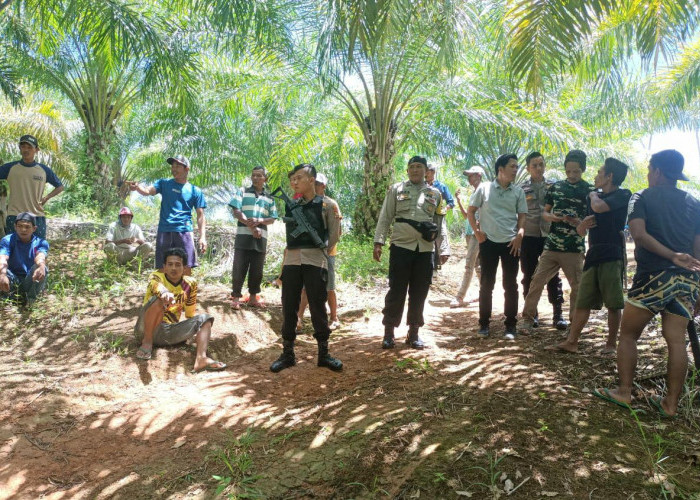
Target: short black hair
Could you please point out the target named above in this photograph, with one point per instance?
(617, 169)
(418, 159)
(532, 156)
(177, 252)
(260, 167)
(578, 156)
(307, 167)
(503, 160)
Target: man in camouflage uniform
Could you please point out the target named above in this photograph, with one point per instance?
(565, 207)
(536, 231)
(406, 204)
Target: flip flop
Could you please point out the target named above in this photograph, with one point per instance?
(235, 303)
(260, 304)
(656, 403)
(216, 366)
(144, 354)
(604, 394)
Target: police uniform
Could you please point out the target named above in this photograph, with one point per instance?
(536, 231)
(410, 256)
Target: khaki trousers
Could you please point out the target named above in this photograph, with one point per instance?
(124, 255)
(548, 266)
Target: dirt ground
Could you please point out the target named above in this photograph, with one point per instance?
(80, 417)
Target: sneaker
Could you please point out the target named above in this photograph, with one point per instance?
(334, 325)
(457, 303)
(509, 335)
(483, 332)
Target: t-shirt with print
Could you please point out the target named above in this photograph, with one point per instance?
(21, 255)
(567, 199)
(178, 201)
(605, 244)
(672, 217)
(254, 206)
(26, 184)
(185, 293)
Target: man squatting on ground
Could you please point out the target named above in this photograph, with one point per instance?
(665, 224)
(330, 205)
(125, 241)
(168, 294)
(474, 176)
(406, 205)
(536, 231)
(27, 179)
(603, 268)
(23, 261)
(178, 199)
(446, 203)
(564, 207)
(499, 230)
(254, 209)
(306, 266)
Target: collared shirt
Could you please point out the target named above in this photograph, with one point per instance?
(499, 209)
(406, 200)
(20, 256)
(254, 206)
(568, 199)
(118, 232)
(185, 294)
(535, 225)
(26, 183)
(315, 256)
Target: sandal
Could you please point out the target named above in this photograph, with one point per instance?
(216, 366)
(258, 302)
(235, 303)
(144, 354)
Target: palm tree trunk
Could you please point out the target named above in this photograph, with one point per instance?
(378, 177)
(97, 152)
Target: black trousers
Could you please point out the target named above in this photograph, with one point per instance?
(409, 271)
(490, 254)
(530, 252)
(248, 262)
(314, 279)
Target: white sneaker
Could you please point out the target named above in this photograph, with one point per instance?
(335, 325)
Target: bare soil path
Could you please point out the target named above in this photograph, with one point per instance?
(468, 417)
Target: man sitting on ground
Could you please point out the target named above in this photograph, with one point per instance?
(125, 240)
(23, 261)
(665, 224)
(603, 268)
(168, 294)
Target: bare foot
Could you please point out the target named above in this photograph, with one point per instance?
(608, 350)
(615, 394)
(563, 347)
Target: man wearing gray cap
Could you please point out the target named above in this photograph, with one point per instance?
(27, 179)
(474, 175)
(23, 261)
(178, 199)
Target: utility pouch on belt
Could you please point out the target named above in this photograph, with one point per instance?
(428, 230)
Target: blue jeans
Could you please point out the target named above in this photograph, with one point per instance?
(40, 226)
(24, 286)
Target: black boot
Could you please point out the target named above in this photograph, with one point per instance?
(388, 342)
(325, 359)
(558, 320)
(412, 338)
(286, 359)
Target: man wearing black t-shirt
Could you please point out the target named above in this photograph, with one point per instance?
(665, 224)
(603, 268)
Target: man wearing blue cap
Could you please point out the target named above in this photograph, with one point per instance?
(23, 261)
(27, 179)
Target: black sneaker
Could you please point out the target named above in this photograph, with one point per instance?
(483, 332)
(560, 323)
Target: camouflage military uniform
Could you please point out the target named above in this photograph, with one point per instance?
(564, 248)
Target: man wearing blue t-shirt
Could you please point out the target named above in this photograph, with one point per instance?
(23, 261)
(178, 199)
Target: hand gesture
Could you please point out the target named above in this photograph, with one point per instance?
(686, 261)
(168, 298)
(39, 274)
(514, 245)
(257, 233)
(459, 190)
(4, 283)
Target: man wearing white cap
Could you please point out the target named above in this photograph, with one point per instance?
(124, 240)
(179, 198)
(474, 176)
